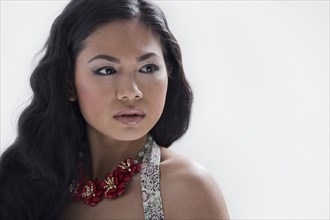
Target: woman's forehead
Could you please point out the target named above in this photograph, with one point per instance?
(121, 37)
(122, 31)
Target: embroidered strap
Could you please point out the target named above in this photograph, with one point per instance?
(150, 182)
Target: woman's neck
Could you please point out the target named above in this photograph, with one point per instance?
(105, 154)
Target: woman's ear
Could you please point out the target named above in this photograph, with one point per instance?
(72, 93)
(169, 68)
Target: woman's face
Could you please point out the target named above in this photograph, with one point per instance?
(121, 80)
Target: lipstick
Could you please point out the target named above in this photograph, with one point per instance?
(129, 116)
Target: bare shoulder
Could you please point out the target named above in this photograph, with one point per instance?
(188, 190)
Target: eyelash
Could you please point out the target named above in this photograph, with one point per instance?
(113, 70)
(155, 68)
(106, 68)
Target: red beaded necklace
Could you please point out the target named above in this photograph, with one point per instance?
(114, 183)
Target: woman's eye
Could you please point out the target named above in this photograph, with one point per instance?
(108, 70)
(149, 68)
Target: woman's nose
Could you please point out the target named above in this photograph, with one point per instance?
(128, 89)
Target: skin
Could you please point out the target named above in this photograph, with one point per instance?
(187, 190)
(127, 85)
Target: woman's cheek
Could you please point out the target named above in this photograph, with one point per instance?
(90, 98)
(159, 92)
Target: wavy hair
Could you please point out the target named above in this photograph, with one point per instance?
(36, 170)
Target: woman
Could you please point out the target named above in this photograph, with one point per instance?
(110, 97)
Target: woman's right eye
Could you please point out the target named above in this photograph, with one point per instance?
(108, 70)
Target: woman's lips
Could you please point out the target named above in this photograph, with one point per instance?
(129, 120)
(130, 116)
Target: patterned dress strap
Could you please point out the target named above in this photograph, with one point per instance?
(150, 182)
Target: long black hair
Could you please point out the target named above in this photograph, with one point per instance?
(36, 170)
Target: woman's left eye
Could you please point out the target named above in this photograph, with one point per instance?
(149, 68)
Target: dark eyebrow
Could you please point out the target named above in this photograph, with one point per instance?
(116, 60)
(105, 57)
(145, 56)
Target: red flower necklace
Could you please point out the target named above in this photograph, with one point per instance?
(114, 183)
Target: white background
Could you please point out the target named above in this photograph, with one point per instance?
(260, 75)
